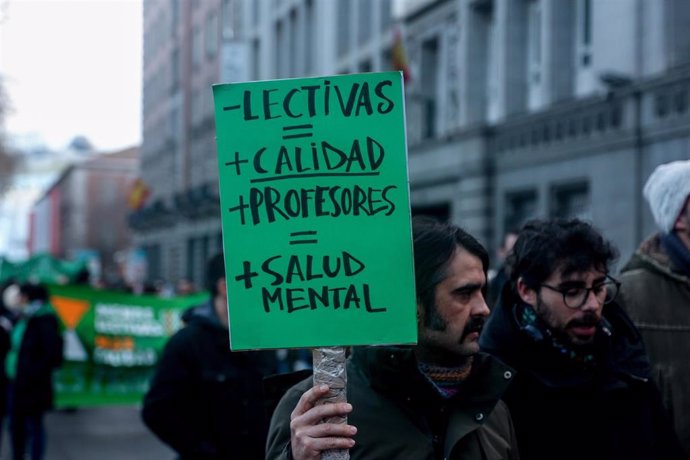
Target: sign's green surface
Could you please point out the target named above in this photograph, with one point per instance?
(112, 342)
(315, 211)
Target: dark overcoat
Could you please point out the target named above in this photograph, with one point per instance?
(205, 401)
(568, 411)
(657, 298)
(40, 354)
(400, 416)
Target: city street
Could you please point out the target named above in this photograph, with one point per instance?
(106, 433)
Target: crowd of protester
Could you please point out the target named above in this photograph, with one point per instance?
(556, 356)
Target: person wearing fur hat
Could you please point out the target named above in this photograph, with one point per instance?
(656, 290)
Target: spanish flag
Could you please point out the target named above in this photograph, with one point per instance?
(138, 193)
(399, 57)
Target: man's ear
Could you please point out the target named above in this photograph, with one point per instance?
(527, 294)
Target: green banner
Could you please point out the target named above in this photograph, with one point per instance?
(112, 342)
(41, 268)
(315, 211)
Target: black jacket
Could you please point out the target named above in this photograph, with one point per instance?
(40, 354)
(205, 401)
(566, 411)
(399, 414)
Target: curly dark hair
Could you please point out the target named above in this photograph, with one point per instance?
(434, 245)
(568, 245)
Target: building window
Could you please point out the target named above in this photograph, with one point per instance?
(364, 23)
(386, 14)
(681, 101)
(192, 267)
(211, 35)
(255, 12)
(196, 47)
(153, 261)
(175, 70)
(534, 50)
(278, 49)
(256, 53)
(616, 115)
(586, 125)
(205, 254)
(661, 105)
(587, 22)
(386, 60)
(521, 206)
(308, 37)
(571, 200)
(584, 31)
(293, 44)
(429, 84)
(601, 121)
(174, 17)
(228, 21)
(343, 27)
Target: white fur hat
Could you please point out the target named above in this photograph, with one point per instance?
(666, 191)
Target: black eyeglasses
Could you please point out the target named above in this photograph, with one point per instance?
(576, 297)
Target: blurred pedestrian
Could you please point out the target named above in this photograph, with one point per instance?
(205, 401)
(582, 388)
(655, 290)
(35, 353)
(184, 287)
(9, 297)
(499, 279)
(438, 399)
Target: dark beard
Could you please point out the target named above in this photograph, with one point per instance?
(589, 319)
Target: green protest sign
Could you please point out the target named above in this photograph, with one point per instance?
(112, 342)
(315, 211)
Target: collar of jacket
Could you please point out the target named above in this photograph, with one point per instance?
(652, 255)
(622, 358)
(393, 371)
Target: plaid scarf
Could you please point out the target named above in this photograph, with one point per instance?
(446, 380)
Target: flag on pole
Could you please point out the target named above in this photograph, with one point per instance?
(138, 194)
(399, 57)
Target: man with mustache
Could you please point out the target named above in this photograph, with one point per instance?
(583, 387)
(439, 399)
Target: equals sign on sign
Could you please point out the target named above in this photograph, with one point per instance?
(307, 237)
(297, 131)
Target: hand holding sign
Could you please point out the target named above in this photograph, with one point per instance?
(308, 436)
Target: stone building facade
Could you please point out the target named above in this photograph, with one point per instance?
(515, 108)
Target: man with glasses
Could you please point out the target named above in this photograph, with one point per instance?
(583, 387)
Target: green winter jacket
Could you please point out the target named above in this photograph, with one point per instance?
(658, 301)
(400, 415)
